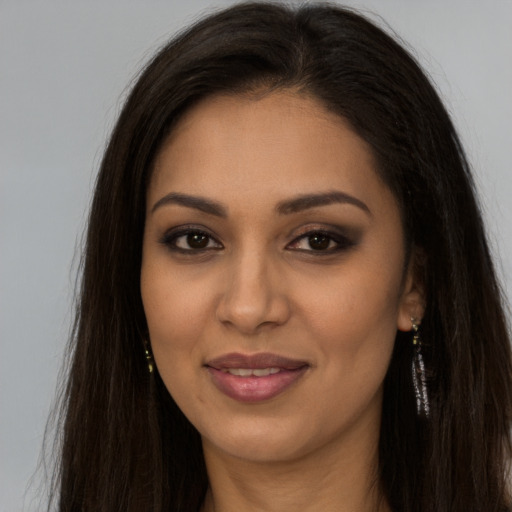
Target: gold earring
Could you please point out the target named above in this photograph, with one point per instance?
(419, 378)
(149, 357)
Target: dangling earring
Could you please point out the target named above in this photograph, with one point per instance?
(149, 356)
(419, 379)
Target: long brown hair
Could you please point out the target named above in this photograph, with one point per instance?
(125, 444)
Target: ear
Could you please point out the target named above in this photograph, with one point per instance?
(412, 300)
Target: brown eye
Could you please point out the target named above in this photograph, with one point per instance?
(197, 240)
(190, 240)
(319, 241)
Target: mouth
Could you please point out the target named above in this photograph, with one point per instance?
(256, 377)
(251, 372)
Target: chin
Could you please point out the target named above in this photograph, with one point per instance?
(256, 439)
(259, 448)
(267, 440)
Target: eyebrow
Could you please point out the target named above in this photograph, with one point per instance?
(198, 203)
(307, 201)
(298, 204)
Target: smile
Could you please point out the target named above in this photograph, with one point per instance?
(254, 378)
(248, 372)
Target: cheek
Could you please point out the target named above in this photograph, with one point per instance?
(176, 310)
(354, 323)
(358, 301)
(176, 316)
(355, 342)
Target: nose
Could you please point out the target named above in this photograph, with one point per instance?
(253, 297)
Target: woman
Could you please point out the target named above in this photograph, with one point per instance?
(287, 298)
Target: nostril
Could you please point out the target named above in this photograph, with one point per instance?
(249, 314)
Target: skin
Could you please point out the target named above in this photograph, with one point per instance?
(259, 286)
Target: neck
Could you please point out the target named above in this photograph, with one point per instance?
(333, 478)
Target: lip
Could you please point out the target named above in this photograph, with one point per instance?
(252, 388)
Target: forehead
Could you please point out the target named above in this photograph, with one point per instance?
(262, 149)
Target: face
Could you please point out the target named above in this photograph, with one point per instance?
(273, 277)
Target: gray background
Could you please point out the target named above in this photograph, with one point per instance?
(63, 69)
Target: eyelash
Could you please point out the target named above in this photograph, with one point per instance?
(342, 242)
(170, 240)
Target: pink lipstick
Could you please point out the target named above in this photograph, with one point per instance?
(256, 377)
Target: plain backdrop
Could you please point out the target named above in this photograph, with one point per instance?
(64, 69)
